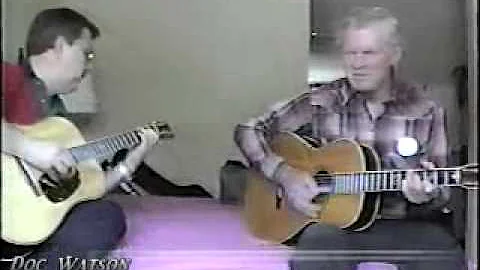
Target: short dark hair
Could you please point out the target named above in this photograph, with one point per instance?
(49, 24)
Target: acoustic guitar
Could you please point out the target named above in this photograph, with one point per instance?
(32, 209)
(351, 177)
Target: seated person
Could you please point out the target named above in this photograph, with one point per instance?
(373, 106)
(59, 50)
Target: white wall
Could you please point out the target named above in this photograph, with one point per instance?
(205, 65)
(434, 31)
(201, 65)
(16, 17)
(472, 23)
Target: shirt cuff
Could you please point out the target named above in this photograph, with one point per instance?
(270, 165)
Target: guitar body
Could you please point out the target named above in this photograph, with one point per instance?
(267, 212)
(29, 216)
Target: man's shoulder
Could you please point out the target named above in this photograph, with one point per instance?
(328, 94)
(334, 85)
(13, 74)
(412, 94)
(12, 69)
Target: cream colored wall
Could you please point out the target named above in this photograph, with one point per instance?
(201, 65)
(472, 28)
(16, 16)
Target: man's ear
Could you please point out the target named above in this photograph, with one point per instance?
(59, 46)
(397, 55)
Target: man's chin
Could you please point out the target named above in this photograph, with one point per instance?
(72, 88)
(363, 87)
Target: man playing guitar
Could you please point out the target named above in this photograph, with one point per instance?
(59, 50)
(375, 108)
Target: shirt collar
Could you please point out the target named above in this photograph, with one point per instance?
(397, 85)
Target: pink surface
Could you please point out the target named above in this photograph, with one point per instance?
(192, 233)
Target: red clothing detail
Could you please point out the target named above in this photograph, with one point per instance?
(19, 104)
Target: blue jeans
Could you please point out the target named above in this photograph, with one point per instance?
(90, 230)
(442, 252)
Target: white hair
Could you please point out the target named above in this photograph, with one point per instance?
(364, 17)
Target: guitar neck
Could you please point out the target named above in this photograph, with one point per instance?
(105, 147)
(376, 181)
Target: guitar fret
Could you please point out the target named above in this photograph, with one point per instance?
(128, 142)
(425, 176)
(362, 182)
(354, 184)
(93, 148)
(101, 149)
(384, 181)
(394, 182)
(348, 184)
(377, 182)
(136, 136)
(357, 184)
(111, 146)
(130, 139)
(457, 177)
(353, 180)
(339, 188)
(120, 141)
(117, 143)
(369, 181)
(338, 184)
(124, 141)
(390, 179)
(105, 149)
(373, 182)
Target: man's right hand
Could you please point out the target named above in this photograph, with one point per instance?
(300, 189)
(50, 158)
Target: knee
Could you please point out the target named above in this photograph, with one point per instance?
(114, 223)
(104, 227)
(319, 236)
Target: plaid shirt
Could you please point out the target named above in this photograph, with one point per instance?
(333, 110)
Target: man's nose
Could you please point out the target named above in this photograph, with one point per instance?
(358, 61)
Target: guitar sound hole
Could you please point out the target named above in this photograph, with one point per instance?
(63, 190)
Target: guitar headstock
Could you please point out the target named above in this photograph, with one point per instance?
(469, 174)
(162, 129)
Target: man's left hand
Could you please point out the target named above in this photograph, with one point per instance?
(416, 190)
(136, 156)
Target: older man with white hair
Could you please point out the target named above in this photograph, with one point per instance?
(373, 106)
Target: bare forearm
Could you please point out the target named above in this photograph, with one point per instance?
(14, 142)
(112, 179)
(251, 138)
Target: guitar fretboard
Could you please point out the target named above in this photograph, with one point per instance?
(105, 147)
(374, 181)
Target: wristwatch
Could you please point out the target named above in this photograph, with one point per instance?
(124, 171)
